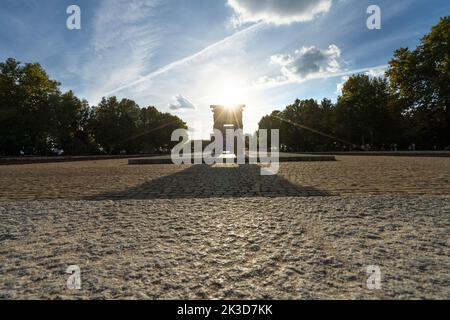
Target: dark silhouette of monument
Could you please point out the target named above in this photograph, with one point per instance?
(226, 117)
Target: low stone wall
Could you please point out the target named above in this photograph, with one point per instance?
(31, 160)
(389, 153)
(283, 157)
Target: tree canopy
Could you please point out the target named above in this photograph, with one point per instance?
(37, 118)
(410, 106)
(420, 79)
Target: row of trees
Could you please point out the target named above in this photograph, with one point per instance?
(36, 118)
(409, 107)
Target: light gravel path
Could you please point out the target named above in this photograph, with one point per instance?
(166, 231)
(220, 247)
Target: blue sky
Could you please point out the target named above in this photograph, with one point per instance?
(184, 55)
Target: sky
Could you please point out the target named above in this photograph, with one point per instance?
(182, 56)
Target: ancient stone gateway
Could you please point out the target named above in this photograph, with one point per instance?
(226, 117)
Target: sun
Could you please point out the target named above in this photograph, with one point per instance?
(228, 93)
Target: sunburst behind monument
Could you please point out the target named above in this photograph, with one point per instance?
(226, 118)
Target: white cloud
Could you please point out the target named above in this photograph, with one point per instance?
(340, 85)
(181, 103)
(306, 62)
(278, 11)
(267, 82)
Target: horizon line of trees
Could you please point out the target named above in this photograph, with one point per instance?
(409, 108)
(36, 118)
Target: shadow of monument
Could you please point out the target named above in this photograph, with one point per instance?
(203, 181)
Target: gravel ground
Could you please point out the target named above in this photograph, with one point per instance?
(165, 231)
(277, 247)
(114, 179)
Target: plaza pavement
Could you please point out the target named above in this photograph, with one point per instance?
(165, 231)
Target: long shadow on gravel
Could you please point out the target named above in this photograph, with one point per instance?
(202, 181)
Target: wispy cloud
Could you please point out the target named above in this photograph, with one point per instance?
(200, 54)
(124, 39)
(377, 72)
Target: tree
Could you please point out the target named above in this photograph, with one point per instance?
(304, 125)
(25, 95)
(115, 125)
(36, 117)
(362, 114)
(273, 121)
(10, 124)
(70, 130)
(168, 123)
(305, 115)
(155, 131)
(421, 80)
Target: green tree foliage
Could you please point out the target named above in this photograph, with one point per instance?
(70, 117)
(36, 118)
(124, 126)
(421, 80)
(362, 115)
(25, 95)
(304, 126)
(410, 105)
(156, 129)
(115, 124)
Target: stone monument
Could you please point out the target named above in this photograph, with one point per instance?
(226, 117)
